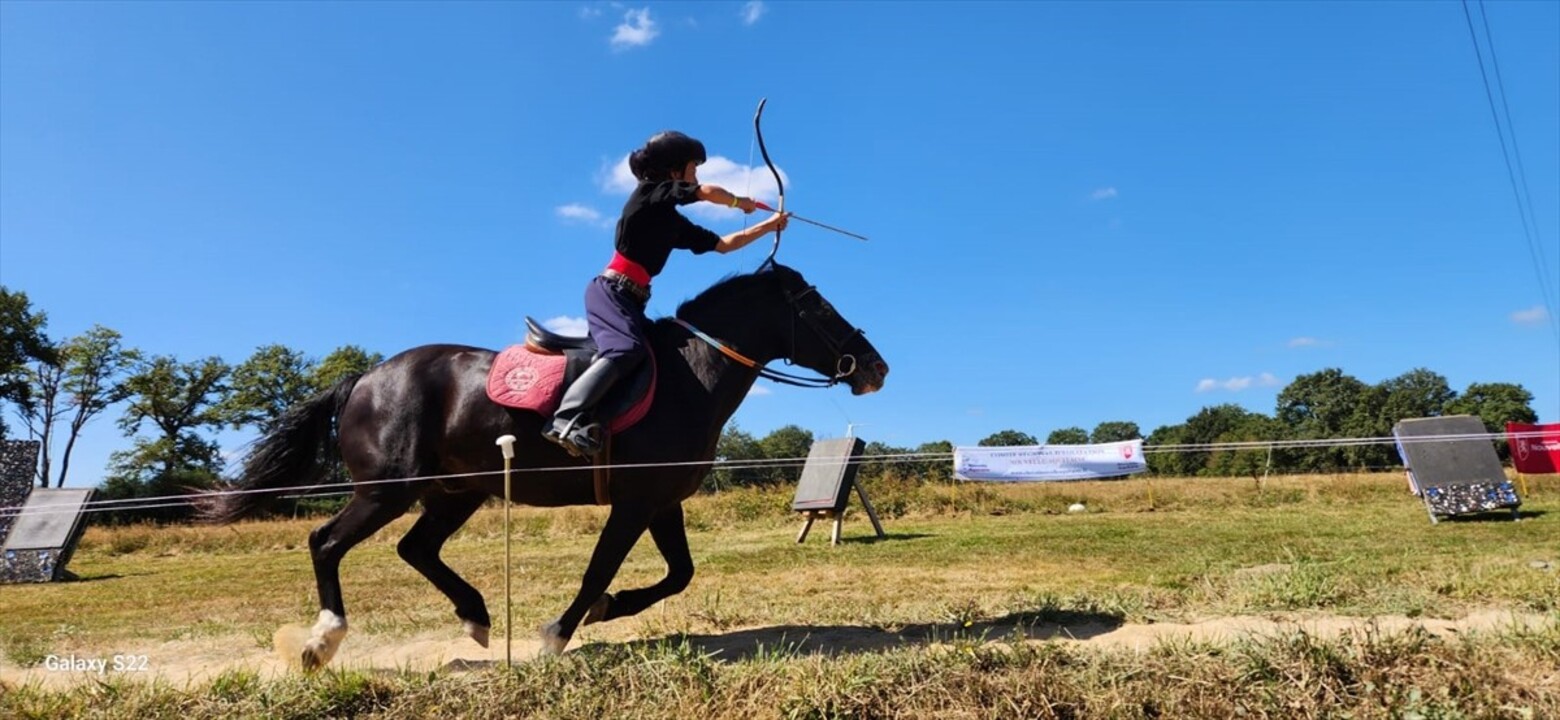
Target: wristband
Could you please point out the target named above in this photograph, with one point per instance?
(734, 200)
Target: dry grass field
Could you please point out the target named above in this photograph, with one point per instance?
(1306, 596)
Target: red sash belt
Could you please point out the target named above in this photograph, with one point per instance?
(634, 271)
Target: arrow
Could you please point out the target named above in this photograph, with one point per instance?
(761, 206)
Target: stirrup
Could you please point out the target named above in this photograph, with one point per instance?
(581, 442)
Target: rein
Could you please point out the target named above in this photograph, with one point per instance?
(765, 372)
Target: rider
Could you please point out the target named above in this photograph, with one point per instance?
(649, 229)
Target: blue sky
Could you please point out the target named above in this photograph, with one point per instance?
(1079, 212)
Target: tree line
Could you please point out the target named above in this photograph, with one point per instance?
(1327, 404)
(54, 388)
(169, 405)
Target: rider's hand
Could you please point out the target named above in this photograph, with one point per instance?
(747, 205)
(778, 221)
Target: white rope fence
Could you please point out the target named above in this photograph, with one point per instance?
(337, 488)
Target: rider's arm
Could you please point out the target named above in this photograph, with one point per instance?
(741, 238)
(721, 196)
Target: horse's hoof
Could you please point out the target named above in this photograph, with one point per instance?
(313, 656)
(598, 609)
(553, 641)
(477, 632)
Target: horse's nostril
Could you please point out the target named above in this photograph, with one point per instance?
(881, 368)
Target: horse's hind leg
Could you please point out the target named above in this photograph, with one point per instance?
(363, 516)
(442, 515)
(624, 526)
(671, 538)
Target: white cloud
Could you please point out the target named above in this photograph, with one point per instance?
(759, 390)
(1103, 193)
(589, 12)
(1535, 315)
(566, 325)
(636, 30)
(1304, 342)
(752, 11)
(576, 211)
(584, 214)
(1236, 384)
(749, 181)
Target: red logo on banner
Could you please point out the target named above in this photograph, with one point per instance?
(1126, 451)
(1535, 449)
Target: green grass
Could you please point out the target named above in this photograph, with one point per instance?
(925, 614)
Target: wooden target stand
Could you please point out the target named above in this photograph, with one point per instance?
(824, 489)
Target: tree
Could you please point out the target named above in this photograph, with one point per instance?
(789, 443)
(1495, 404)
(1252, 461)
(735, 446)
(936, 462)
(340, 363)
(1322, 405)
(1068, 436)
(1416, 393)
(1173, 463)
(177, 399)
(22, 342)
(272, 380)
(1368, 420)
(95, 367)
(1008, 438)
(875, 465)
(1115, 431)
(1206, 427)
(41, 408)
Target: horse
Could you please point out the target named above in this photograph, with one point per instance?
(404, 427)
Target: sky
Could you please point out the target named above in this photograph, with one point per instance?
(1077, 212)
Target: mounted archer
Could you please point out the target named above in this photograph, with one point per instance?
(647, 233)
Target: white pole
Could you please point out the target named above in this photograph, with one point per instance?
(507, 442)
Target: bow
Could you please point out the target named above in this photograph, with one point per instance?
(759, 131)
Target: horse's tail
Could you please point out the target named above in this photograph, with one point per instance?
(297, 451)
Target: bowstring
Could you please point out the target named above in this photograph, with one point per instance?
(748, 191)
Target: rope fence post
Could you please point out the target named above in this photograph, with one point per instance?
(507, 442)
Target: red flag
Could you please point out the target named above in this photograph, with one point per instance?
(1535, 449)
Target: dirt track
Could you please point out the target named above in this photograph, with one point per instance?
(196, 661)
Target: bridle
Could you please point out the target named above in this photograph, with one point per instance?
(844, 363)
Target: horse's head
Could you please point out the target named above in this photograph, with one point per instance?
(776, 314)
(821, 339)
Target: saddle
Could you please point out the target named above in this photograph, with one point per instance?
(534, 375)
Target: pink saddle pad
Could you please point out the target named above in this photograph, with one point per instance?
(534, 381)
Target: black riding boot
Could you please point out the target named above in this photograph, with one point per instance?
(572, 426)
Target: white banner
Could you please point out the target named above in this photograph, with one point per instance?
(1049, 462)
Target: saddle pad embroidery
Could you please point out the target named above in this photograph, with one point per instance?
(527, 380)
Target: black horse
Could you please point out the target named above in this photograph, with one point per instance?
(425, 412)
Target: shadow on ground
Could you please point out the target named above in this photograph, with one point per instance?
(840, 640)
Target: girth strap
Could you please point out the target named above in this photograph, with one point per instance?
(603, 471)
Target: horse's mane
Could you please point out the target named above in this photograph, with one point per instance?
(726, 286)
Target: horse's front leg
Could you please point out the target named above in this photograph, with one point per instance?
(623, 528)
(671, 538)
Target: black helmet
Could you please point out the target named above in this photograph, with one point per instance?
(665, 153)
